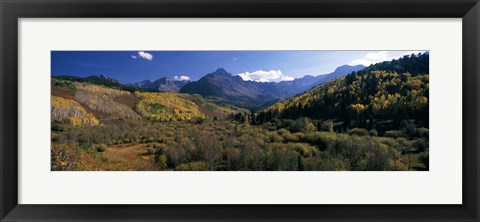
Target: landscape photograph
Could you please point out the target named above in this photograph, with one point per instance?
(252, 110)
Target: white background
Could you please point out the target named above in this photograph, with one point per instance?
(441, 185)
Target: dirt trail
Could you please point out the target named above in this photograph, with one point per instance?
(133, 157)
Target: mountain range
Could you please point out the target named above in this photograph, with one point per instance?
(222, 86)
(165, 84)
(305, 83)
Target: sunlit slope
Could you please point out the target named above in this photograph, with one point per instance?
(70, 111)
(398, 89)
(86, 100)
(167, 107)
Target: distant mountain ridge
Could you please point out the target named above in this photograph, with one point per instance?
(163, 84)
(307, 82)
(102, 80)
(223, 86)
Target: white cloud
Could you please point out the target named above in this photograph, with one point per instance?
(145, 55)
(364, 62)
(371, 58)
(377, 56)
(265, 76)
(181, 78)
(287, 78)
(381, 56)
(134, 57)
(235, 58)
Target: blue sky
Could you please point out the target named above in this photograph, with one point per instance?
(134, 66)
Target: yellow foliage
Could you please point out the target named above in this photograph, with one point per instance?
(381, 90)
(167, 106)
(102, 99)
(357, 107)
(70, 111)
(100, 89)
(75, 121)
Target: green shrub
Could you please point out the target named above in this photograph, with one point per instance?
(100, 147)
(58, 127)
(275, 138)
(424, 158)
(323, 140)
(422, 132)
(161, 161)
(192, 166)
(304, 150)
(283, 132)
(421, 144)
(300, 136)
(408, 128)
(303, 125)
(62, 83)
(327, 126)
(359, 132)
(393, 133)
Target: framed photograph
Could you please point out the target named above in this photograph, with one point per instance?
(226, 110)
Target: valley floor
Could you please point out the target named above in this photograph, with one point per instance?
(229, 146)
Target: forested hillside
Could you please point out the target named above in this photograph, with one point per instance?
(86, 100)
(378, 97)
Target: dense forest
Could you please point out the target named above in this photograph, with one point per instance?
(377, 97)
(373, 119)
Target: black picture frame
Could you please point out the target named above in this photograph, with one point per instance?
(11, 11)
